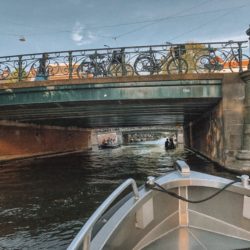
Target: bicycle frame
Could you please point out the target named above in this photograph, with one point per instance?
(102, 64)
(226, 56)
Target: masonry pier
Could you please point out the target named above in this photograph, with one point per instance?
(223, 133)
(243, 155)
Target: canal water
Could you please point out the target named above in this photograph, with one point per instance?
(44, 204)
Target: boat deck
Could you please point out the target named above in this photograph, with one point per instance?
(186, 238)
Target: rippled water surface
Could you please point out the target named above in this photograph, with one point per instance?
(44, 204)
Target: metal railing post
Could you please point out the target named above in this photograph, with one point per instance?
(123, 61)
(70, 65)
(240, 57)
(20, 69)
(209, 56)
(179, 59)
(95, 61)
(248, 33)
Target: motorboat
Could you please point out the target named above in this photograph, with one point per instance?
(170, 147)
(181, 210)
(108, 146)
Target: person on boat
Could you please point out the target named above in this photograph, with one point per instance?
(171, 143)
(167, 143)
(110, 142)
(104, 142)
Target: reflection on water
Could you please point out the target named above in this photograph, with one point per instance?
(43, 205)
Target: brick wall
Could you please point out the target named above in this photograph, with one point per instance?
(19, 139)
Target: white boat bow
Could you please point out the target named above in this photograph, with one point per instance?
(181, 210)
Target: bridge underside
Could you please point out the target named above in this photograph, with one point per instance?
(111, 113)
(143, 102)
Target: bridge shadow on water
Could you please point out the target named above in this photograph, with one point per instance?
(44, 204)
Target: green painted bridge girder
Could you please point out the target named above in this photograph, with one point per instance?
(182, 89)
(95, 103)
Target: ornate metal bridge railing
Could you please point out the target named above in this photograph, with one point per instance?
(128, 61)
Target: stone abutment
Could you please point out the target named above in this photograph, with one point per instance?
(223, 133)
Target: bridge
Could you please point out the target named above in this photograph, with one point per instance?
(57, 99)
(109, 102)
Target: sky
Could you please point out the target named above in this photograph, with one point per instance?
(35, 26)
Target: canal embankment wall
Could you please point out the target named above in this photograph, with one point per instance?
(19, 140)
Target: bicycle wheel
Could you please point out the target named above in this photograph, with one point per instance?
(90, 70)
(124, 70)
(85, 70)
(144, 65)
(112, 69)
(234, 64)
(177, 66)
(205, 64)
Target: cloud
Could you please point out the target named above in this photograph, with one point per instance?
(81, 36)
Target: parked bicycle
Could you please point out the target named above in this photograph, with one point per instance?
(219, 59)
(149, 63)
(101, 65)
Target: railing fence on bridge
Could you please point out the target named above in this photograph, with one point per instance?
(126, 61)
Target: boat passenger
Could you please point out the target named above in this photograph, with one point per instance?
(104, 142)
(167, 143)
(171, 143)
